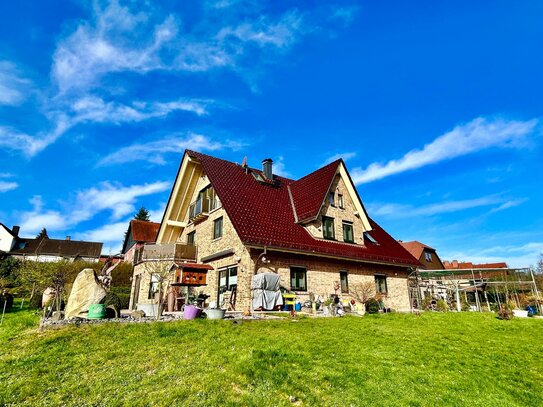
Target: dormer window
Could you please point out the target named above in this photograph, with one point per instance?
(370, 238)
(428, 256)
(328, 228)
(331, 198)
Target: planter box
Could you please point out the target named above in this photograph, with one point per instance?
(520, 313)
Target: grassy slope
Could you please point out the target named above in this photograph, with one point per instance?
(435, 359)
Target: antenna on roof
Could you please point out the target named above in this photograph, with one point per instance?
(244, 164)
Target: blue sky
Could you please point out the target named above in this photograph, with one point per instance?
(435, 106)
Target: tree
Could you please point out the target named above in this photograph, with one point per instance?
(362, 292)
(43, 234)
(160, 270)
(143, 214)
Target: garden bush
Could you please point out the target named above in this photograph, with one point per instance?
(372, 306)
(113, 301)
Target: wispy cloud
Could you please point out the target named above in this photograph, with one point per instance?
(477, 135)
(7, 186)
(344, 156)
(13, 87)
(155, 151)
(280, 169)
(117, 199)
(407, 211)
(345, 14)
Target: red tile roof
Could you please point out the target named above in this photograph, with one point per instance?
(416, 248)
(309, 192)
(469, 265)
(262, 214)
(144, 231)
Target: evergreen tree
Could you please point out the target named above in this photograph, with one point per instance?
(43, 234)
(143, 214)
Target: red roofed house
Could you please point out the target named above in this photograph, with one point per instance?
(426, 255)
(455, 264)
(226, 222)
(139, 232)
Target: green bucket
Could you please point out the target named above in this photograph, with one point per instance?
(97, 311)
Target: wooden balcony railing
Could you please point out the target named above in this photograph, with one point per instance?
(165, 252)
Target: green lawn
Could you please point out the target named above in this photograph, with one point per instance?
(434, 359)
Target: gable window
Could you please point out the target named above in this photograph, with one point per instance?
(340, 201)
(191, 238)
(370, 238)
(298, 278)
(217, 228)
(344, 279)
(328, 227)
(332, 198)
(348, 235)
(428, 256)
(381, 284)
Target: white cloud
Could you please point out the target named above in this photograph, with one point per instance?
(111, 234)
(345, 14)
(263, 32)
(117, 199)
(95, 109)
(344, 156)
(477, 135)
(7, 186)
(407, 211)
(279, 168)
(154, 151)
(13, 87)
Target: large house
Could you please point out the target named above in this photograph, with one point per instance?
(225, 222)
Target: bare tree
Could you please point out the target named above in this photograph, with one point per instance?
(162, 270)
(362, 292)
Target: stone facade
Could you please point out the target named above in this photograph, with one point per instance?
(323, 277)
(339, 214)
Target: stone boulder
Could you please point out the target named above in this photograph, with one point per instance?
(86, 290)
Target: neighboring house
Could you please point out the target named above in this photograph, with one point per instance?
(426, 255)
(139, 232)
(227, 222)
(47, 250)
(455, 264)
(8, 238)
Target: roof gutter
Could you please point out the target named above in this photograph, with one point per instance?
(307, 253)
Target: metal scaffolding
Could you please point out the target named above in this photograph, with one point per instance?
(480, 289)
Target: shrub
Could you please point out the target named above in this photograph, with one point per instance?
(6, 298)
(442, 306)
(505, 313)
(372, 306)
(35, 301)
(124, 295)
(113, 301)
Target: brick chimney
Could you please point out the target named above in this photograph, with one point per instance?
(267, 168)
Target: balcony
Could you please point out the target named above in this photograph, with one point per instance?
(165, 252)
(199, 209)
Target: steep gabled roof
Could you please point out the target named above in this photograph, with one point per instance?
(140, 231)
(262, 215)
(416, 248)
(309, 192)
(57, 247)
(144, 231)
(8, 230)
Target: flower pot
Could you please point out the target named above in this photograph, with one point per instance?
(191, 312)
(215, 313)
(98, 311)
